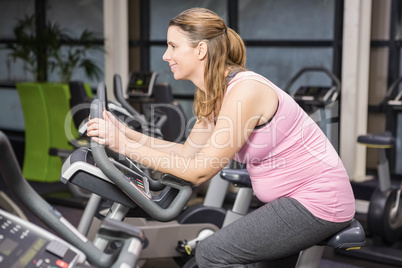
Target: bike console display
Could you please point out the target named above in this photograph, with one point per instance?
(23, 244)
(141, 84)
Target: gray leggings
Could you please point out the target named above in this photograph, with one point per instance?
(274, 234)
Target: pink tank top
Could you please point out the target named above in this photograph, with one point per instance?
(291, 157)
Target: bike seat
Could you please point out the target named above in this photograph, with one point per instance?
(239, 177)
(378, 140)
(352, 237)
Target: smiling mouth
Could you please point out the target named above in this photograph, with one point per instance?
(172, 66)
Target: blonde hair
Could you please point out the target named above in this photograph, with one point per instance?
(226, 52)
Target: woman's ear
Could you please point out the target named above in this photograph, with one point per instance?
(202, 50)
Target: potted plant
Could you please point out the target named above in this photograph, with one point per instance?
(32, 48)
(45, 48)
(75, 58)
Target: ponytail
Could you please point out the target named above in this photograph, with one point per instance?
(237, 49)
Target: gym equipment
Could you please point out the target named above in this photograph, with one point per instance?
(352, 237)
(313, 97)
(80, 169)
(80, 103)
(176, 125)
(392, 105)
(155, 99)
(37, 247)
(23, 244)
(141, 84)
(320, 102)
(140, 88)
(7, 204)
(140, 195)
(151, 126)
(384, 216)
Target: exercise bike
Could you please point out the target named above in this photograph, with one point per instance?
(80, 106)
(384, 216)
(83, 169)
(23, 244)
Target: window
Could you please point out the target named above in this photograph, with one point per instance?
(279, 43)
(85, 14)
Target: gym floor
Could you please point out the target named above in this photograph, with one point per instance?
(73, 211)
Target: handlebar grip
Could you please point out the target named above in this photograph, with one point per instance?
(101, 94)
(96, 109)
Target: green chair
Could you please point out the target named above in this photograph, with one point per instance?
(46, 109)
(37, 134)
(62, 130)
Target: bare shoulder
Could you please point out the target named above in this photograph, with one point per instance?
(256, 95)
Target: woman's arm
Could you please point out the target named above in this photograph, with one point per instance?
(241, 111)
(114, 133)
(196, 140)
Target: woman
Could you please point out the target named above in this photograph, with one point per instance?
(294, 169)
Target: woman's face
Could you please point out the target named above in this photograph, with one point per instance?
(183, 59)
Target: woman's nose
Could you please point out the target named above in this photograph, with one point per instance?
(165, 56)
